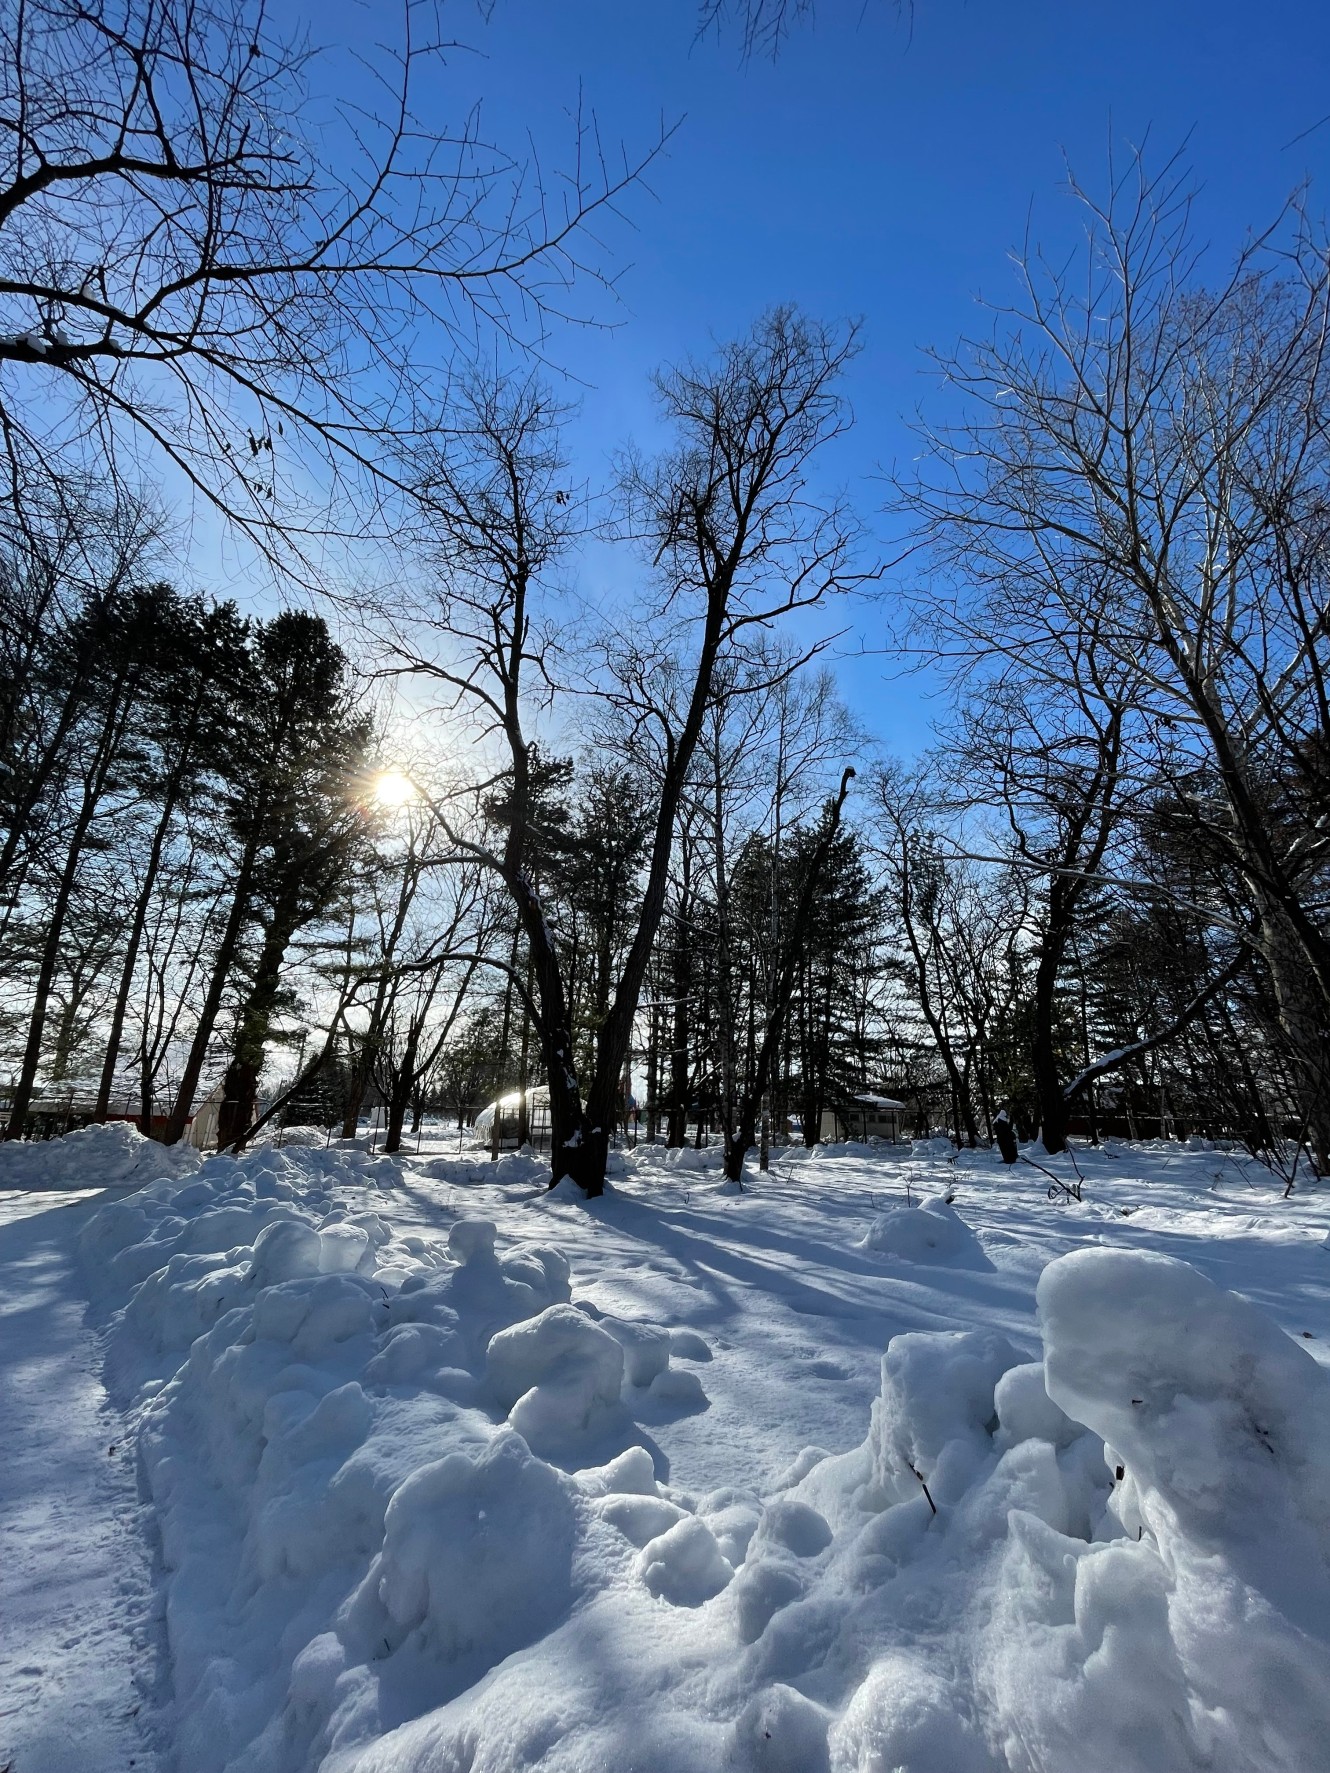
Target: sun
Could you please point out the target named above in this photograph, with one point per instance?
(393, 789)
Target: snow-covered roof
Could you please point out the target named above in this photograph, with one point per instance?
(879, 1101)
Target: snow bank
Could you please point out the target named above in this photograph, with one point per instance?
(409, 1524)
(676, 1158)
(511, 1168)
(340, 1431)
(113, 1155)
(1124, 1548)
(1217, 1427)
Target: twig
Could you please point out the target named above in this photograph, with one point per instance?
(924, 1487)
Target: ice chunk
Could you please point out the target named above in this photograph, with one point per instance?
(414, 1351)
(558, 1371)
(554, 1344)
(342, 1248)
(641, 1518)
(285, 1250)
(314, 1313)
(632, 1473)
(476, 1557)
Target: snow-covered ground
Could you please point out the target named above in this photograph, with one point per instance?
(888, 1462)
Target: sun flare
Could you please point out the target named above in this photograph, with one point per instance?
(393, 789)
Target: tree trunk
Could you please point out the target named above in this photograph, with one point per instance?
(221, 972)
(524, 1077)
(676, 1120)
(241, 1092)
(32, 1052)
(653, 1075)
(137, 924)
(1053, 1110)
(1305, 1019)
(785, 973)
(240, 1095)
(399, 1093)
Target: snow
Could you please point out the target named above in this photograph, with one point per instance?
(79, 1643)
(885, 1462)
(684, 1566)
(108, 1156)
(930, 1232)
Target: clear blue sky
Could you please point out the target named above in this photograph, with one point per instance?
(882, 168)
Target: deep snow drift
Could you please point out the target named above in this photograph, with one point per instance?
(453, 1476)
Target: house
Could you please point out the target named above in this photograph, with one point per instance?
(67, 1106)
(862, 1117)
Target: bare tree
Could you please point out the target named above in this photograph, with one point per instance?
(917, 878)
(763, 25)
(735, 542)
(1140, 428)
(201, 267)
(741, 1126)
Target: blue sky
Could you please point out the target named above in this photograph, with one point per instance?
(882, 168)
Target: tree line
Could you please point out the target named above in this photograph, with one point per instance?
(479, 824)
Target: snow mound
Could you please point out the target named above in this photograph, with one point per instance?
(904, 1717)
(557, 1372)
(932, 1232)
(684, 1566)
(1114, 1556)
(646, 1347)
(1025, 1411)
(113, 1155)
(780, 1731)
(496, 1526)
(679, 1387)
(932, 1148)
(313, 1138)
(678, 1158)
(689, 1346)
(934, 1418)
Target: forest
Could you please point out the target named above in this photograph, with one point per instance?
(409, 837)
